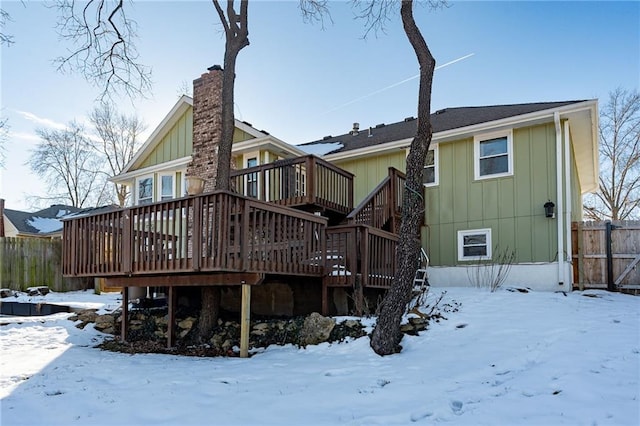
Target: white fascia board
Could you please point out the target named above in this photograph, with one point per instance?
(167, 122)
(462, 132)
(124, 178)
(267, 142)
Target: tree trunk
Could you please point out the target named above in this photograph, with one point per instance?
(210, 297)
(386, 335)
(237, 37)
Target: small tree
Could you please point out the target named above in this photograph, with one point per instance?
(618, 197)
(67, 162)
(119, 139)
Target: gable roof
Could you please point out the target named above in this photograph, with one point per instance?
(48, 222)
(441, 121)
(42, 222)
(456, 123)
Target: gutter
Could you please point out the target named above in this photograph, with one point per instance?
(567, 191)
(559, 198)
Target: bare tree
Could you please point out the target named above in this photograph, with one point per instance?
(104, 51)
(6, 39)
(618, 197)
(67, 162)
(236, 38)
(236, 34)
(386, 334)
(119, 139)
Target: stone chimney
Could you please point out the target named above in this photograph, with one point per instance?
(207, 126)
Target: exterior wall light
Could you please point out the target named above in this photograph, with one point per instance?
(548, 209)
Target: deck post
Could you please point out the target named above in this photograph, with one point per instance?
(358, 295)
(171, 325)
(125, 310)
(245, 320)
(325, 300)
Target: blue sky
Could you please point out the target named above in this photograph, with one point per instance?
(295, 78)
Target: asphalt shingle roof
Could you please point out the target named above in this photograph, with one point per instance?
(442, 120)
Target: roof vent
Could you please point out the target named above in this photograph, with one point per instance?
(327, 137)
(356, 128)
(370, 132)
(409, 119)
(441, 111)
(379, 125)
(247, 123)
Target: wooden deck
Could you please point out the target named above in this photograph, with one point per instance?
(306, 183)
(210, 233)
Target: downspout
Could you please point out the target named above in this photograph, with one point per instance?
(567, 191)
(559, 202)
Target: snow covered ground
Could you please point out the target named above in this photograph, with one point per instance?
(504, 358)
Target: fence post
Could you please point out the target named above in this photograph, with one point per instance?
(607, 233)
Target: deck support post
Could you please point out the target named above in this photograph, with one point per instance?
(171, 325)
(125, 311)
(358, 295)
(245, 320)
(325, 299)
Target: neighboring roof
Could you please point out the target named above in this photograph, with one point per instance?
(47, 221)
(42, 222)
(441, 121)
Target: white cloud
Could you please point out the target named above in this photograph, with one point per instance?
(42, 121)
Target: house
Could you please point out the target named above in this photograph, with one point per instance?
(45, 223)
(299, 232)
(489, 174)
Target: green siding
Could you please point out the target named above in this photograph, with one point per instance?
(370, 171)
(176, 143)
(511, 206)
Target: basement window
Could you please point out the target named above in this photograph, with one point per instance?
(474, 244)
(493, 155)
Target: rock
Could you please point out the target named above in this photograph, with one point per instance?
(316, 329)
(6, 292)
(352, 324)
(186, 324)
(104, 322)
(38, 291)
(85, 315)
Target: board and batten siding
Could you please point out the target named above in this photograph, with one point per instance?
(512, 206)
(370, 171)
(177, 143)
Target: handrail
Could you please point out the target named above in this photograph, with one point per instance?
(215, 232)
(383, 204)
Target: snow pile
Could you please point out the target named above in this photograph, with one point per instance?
(503, 358)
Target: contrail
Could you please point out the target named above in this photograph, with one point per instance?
(395, 84)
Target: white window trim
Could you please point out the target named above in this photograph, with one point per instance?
(476, 153)
(462, 234)
(137, 183)
(436, 166)
(159, 186)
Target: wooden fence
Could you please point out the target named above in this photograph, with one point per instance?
(606, 255)
(31, 262)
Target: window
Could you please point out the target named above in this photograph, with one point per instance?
(252, 179)
(145, 190)
(474, 244)
(166, 187)
(493, 155)
(430, 172)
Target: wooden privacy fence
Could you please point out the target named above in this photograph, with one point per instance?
(606, 255)
(30, 262)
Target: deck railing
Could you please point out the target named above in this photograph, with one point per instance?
(382, 208)
(360, 251)
(297, 182)
(219, 231)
